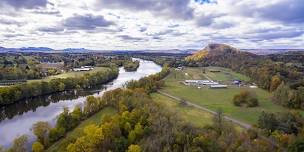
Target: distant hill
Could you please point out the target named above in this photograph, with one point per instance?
(43, 49)
(76, 50)
(213, 50)
(3, 49)
(35, 49)
(271, 51)
(26, 49)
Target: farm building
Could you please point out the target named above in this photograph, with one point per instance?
(237, 82)
(179, 68)
(200, 82)
(191, 81)
(210, 83)
(253, 87)
(218, 86)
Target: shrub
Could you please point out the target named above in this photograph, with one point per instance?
(245, 98)
(56, 133)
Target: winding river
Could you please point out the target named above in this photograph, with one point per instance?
(17, 119)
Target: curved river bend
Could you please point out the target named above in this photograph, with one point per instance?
(15, 123)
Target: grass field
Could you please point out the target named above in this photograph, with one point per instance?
(219, 98)
(189, 114)
(203, 73)
(224, 74)
(70, 74)
(61, 145)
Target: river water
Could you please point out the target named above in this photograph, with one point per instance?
(17, 119)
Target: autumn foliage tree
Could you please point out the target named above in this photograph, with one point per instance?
(275, 82)
(41, 131)
(247, 98)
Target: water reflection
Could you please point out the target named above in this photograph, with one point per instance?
(19, 108)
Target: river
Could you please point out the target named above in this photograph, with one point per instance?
(17, 119)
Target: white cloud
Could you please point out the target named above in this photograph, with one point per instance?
(159, 25)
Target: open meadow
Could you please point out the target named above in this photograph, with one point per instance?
(71, 74)
(187, 113)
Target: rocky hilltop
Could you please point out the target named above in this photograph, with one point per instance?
(212, 50)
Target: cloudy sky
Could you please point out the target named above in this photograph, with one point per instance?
(151, 24)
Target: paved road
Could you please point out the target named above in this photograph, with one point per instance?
(242, 124)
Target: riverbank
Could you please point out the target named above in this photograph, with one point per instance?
(97, 119)
(112, 98)
(12, 94)
(131, 66)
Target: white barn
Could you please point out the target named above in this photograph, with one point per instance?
(218, 86)
(200, 82)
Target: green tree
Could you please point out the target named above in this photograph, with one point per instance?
(37, 147)
(121, 144)
(76, 115)
(56, 133)
(281, 95)
(64, 119)
(247, 98)
(138, 130)
(61, 86)
(19, 144)
(297, 146)
(134, 148)
(91, 105)
(268, 121)
(41, 130)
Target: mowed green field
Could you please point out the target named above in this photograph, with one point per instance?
(188, 114)
(219, 98)
(204, 73)
(71, 74)
(61, 145)
(225, 74)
